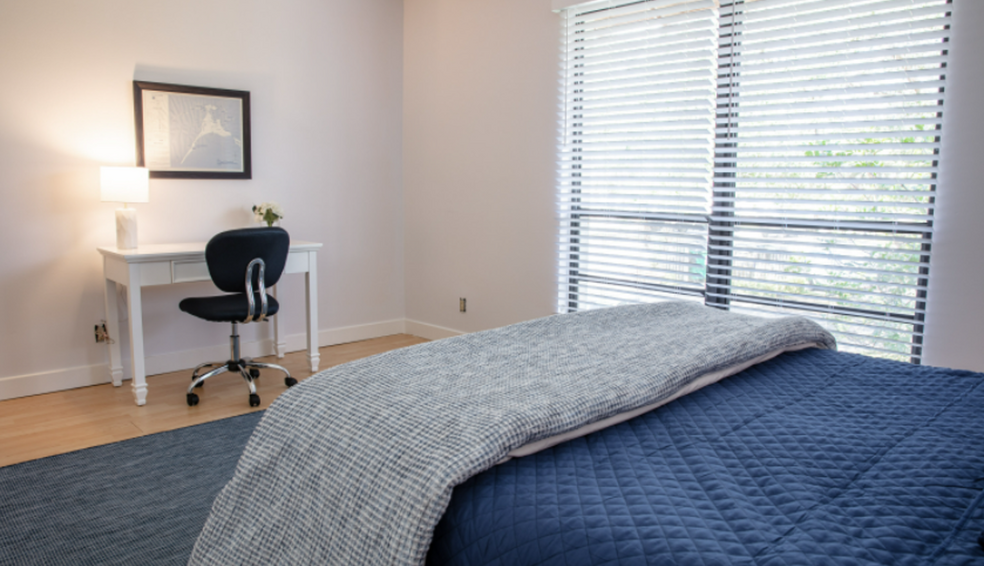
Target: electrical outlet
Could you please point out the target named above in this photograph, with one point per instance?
(102, 335)
(462, 305)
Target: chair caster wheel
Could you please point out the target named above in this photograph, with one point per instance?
(290, 381)
(254, 400)
(192, 399)
(254, 373)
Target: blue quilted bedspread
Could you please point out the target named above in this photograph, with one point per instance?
(815, 457)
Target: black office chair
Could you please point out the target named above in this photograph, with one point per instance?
(245, 263)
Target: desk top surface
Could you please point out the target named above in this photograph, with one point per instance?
(156, 252)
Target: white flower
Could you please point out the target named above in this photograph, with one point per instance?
(268, 212)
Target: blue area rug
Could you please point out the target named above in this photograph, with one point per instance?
(140, 501)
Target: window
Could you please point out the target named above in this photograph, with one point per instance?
(766, 156)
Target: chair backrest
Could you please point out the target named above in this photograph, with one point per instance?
(229, 253)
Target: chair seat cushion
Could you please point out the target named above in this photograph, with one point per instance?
(226, 308)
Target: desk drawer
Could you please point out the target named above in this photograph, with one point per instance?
(184, 271)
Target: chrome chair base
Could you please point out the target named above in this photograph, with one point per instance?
(246, 367)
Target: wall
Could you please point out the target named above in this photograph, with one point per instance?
(480, 92)
(474, 85)
(955, 317)
(325, 81)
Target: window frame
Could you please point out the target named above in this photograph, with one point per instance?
(717, 290)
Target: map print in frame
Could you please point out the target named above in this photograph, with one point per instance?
(189, 132)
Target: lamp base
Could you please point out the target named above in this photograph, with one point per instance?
(126, 228)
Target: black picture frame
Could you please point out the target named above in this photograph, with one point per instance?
(214, 156)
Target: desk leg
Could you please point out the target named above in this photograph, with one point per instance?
(311, 294)
(139, 380)
(279, 338)
(113, 328)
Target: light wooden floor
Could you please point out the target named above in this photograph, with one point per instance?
(64, 421)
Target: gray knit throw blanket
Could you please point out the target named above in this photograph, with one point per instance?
(356, 464)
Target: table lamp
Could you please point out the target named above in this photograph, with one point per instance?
(126, 185)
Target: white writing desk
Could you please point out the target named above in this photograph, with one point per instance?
(166, 264)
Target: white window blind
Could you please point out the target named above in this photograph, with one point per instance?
(826, 133)
(637, 157)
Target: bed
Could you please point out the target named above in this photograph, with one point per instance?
(815, 457)
(809, 456)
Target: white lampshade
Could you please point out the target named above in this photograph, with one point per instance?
(125, 184)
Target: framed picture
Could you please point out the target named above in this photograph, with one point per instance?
(190, 132)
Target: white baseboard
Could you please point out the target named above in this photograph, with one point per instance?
(84, 376)
(429, 331)
(348, 334)
(187, 359)
(55, 380)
